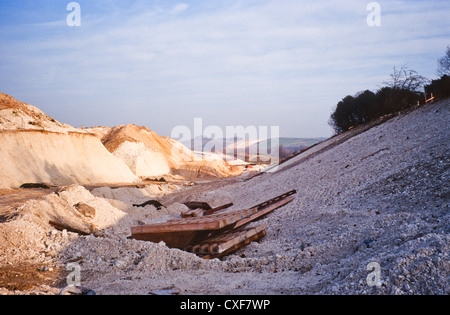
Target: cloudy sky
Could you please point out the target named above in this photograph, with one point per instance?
(230, 62)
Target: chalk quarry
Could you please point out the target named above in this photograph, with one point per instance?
(372, 197)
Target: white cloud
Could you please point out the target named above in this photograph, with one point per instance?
(180, 7)
(215, 61)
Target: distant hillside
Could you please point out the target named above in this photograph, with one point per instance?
(299, 143)
(287, 145)
(148, 154)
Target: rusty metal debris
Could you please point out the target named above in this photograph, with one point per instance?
(199, 209)
(212, 233)
(227, 242)
(154, 203)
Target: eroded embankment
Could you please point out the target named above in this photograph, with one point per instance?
(33, 156)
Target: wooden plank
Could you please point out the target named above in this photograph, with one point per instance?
(238, 246)
(199, 212)
(238, 239)
(219, 246)
(182, 233)
(212, 211)
(263, 211)
(193, 213)
(198, 205)
(276, 199)
(223, 242)
(211, 222)
(180, 239)
(215, 221)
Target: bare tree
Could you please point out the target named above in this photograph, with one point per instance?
(406, 79)
(444, 64)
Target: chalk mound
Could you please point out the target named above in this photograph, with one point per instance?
(142, 161)
(16, 115)
(206, 169)
(148, 154)
(33, 236)
(36, 148)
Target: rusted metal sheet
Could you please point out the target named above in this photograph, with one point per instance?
(199, 212)
(227, 242)
(212, 235)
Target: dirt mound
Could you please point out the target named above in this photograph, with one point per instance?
(58, 159)
(16, 115)
(207, 169)
(38, 149)
(98, 131)
(148, 154)
(30, 238)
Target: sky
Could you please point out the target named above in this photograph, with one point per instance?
(161, 64)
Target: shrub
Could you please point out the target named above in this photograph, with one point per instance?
(366, 106)
(440, 87)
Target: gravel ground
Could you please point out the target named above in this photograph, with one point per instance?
(371, 216)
